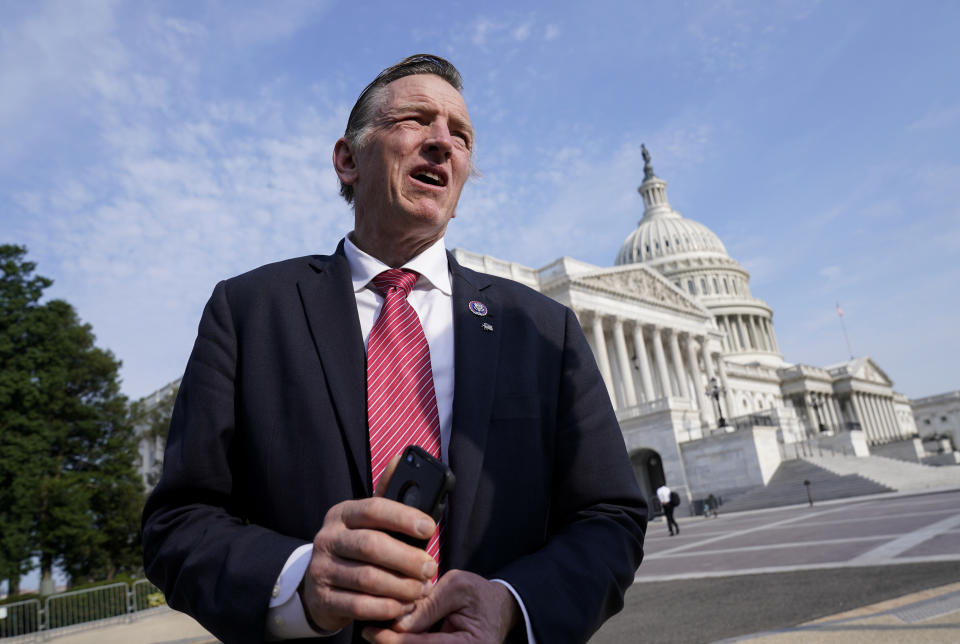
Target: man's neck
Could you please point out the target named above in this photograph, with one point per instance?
(392, 251)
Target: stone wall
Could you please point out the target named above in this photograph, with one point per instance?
(726, 462)
(910, 450)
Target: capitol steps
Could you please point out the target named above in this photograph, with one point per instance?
(786, 487)
(897, 475)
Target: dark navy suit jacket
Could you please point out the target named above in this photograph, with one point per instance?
(270, 430)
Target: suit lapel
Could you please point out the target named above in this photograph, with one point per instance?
(330, 306)
(476, 352)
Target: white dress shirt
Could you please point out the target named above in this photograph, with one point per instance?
(663, 493)
(432, 299)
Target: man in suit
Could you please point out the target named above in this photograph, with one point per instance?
(264, 524)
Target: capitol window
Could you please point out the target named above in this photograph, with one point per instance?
(726, 287)
(691, 288)
(703, 286)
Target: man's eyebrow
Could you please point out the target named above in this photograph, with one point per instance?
(429, 108)
(413, 106)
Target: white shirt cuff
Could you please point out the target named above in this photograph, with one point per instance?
(523, 609)
(285, 617)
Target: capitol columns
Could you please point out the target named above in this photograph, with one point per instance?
(877, 417)
(886, 408)
(758, 344)
(892, 414)
(735, 335)
(865, 422)
(728, 393)
(657, 338)
(837, 412)
(726, 341)
(857, 414)
(600, 349)
(707, 365)
(644, 363)
(831, 402)
(764, 336)
(678, 365)
(728, 327)
(773, 338)
(698, 388)
(626, 372)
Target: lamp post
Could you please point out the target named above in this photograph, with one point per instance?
(714, 391)
(816, 410)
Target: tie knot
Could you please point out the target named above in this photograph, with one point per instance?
(400, 278)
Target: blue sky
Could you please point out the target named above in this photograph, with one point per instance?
(151, 149)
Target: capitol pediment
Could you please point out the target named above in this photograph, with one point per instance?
(869, 371)
(643, 284)
(862, 369)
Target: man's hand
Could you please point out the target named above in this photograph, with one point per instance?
(357, 571)
(473, 609)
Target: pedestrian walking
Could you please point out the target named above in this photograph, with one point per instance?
(669, 499)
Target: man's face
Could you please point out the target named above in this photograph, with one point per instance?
(415, 159)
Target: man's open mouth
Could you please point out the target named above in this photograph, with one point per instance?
(430, 178)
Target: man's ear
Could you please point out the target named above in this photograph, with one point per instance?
(344, 162)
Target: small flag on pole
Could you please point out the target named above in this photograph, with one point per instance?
(844, 327)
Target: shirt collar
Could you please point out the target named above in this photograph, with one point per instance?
(430, 264)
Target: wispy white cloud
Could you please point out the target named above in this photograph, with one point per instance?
(521, 32)
(176, 190)
(939, 118)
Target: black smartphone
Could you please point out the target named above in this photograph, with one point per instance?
(423, 482)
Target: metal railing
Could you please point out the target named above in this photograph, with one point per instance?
(26, 621)
(19, 618)
(753, 420)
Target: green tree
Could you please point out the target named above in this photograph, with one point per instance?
(66, 438)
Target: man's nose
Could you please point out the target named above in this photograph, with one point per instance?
(438, 138)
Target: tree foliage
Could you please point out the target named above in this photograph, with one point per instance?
(69, 491)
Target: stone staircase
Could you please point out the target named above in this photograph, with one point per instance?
(840, 477)
(786, 486)
(897, 475)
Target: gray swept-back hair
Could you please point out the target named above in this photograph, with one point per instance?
(364, 110)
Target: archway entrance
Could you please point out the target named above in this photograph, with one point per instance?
(648, 468)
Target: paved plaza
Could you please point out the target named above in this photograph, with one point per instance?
(764, 576)
(864, 531)
(880, 569)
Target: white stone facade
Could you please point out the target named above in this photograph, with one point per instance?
(674, 315)
(151, 446)
(938, 415)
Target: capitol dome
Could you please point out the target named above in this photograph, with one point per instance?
(663, 232)
(692, 257)
(668, 234)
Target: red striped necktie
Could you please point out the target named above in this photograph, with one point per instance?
(401, 402)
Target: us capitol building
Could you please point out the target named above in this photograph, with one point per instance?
(690, 359)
